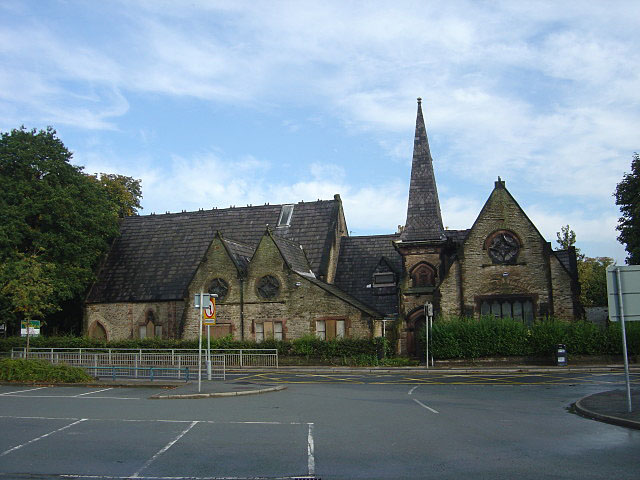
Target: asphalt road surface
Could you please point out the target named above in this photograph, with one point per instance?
(342, 426)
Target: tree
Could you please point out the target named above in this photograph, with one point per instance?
(123, 192)
(591, 271)
(592, 274)
(27, 287)
(54, 220)
(567, 238)
(628, 199)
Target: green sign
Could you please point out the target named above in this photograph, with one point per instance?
(32, 324)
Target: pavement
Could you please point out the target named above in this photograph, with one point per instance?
(612, 407)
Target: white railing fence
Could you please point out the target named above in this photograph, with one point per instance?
(137, 361)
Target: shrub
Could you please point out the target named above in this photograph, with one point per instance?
(21, 370)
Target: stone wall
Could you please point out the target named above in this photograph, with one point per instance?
(217, 264)
(298, 304)
(529, 275)
(450, 291)
(122, 320)
(563, 298)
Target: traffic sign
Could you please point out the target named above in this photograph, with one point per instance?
(209, 312)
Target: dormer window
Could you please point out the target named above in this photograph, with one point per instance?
(285, 216)
(384, 279)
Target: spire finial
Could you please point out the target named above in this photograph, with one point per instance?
(419, 100)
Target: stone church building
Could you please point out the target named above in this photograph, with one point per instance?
(284, 271)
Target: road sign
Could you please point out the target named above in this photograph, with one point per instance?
(209, 312)
(625, 297)
(623, 292)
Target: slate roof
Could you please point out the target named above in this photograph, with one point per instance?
(568, 259)
(240, 254)
(457, 236)
(424, 219)
(359, 257)
(338, 292)
(156, 256)
(293, 254)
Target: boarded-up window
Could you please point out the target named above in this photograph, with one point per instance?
(269, 330)
(330, 329)
(221, 330)
(158, 331)
(142, 331)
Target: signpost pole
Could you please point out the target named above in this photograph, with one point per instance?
(208, 352)
(624, 342)
(431, 334)
(200, 343)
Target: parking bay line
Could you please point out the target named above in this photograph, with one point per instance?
(41, 437)
(74, 396)
(20, 391)
(95, 391)
(165, 448)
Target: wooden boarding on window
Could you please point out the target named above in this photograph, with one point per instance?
(221, 330)
(268, 329)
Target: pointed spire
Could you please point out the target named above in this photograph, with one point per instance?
(424, 220)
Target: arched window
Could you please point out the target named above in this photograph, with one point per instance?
(149, 329)
(423, 275)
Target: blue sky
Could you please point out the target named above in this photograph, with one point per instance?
(234, 103)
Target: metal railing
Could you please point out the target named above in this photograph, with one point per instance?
(128, 357)
(152, 373)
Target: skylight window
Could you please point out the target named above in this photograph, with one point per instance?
(285, 216)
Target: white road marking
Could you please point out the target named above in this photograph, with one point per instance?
(165, 448)
(73, 396)
(111, 477)
(311, 459)
(411, 391)
(425, 406)
(230, 422)
(37, 418)
(41, 437)
(20, 391)
(95, 391)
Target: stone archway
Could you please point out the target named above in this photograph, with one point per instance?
(415, 325)
(97, 331)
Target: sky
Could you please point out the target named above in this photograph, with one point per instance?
(212, 104)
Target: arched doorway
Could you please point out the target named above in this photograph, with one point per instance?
(97, 331)
(415, 333)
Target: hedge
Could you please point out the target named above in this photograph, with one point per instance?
(491, 337)
(452, 338)
(350, 351)
(21, 370)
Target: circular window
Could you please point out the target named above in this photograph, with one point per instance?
(504, 247)
(268, 286)
(219, 287)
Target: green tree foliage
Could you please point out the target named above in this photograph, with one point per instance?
(566, 237)
(592, 273)
(55, 222)
(123, 192)
(628, 199)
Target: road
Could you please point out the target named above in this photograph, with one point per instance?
(332, 426)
